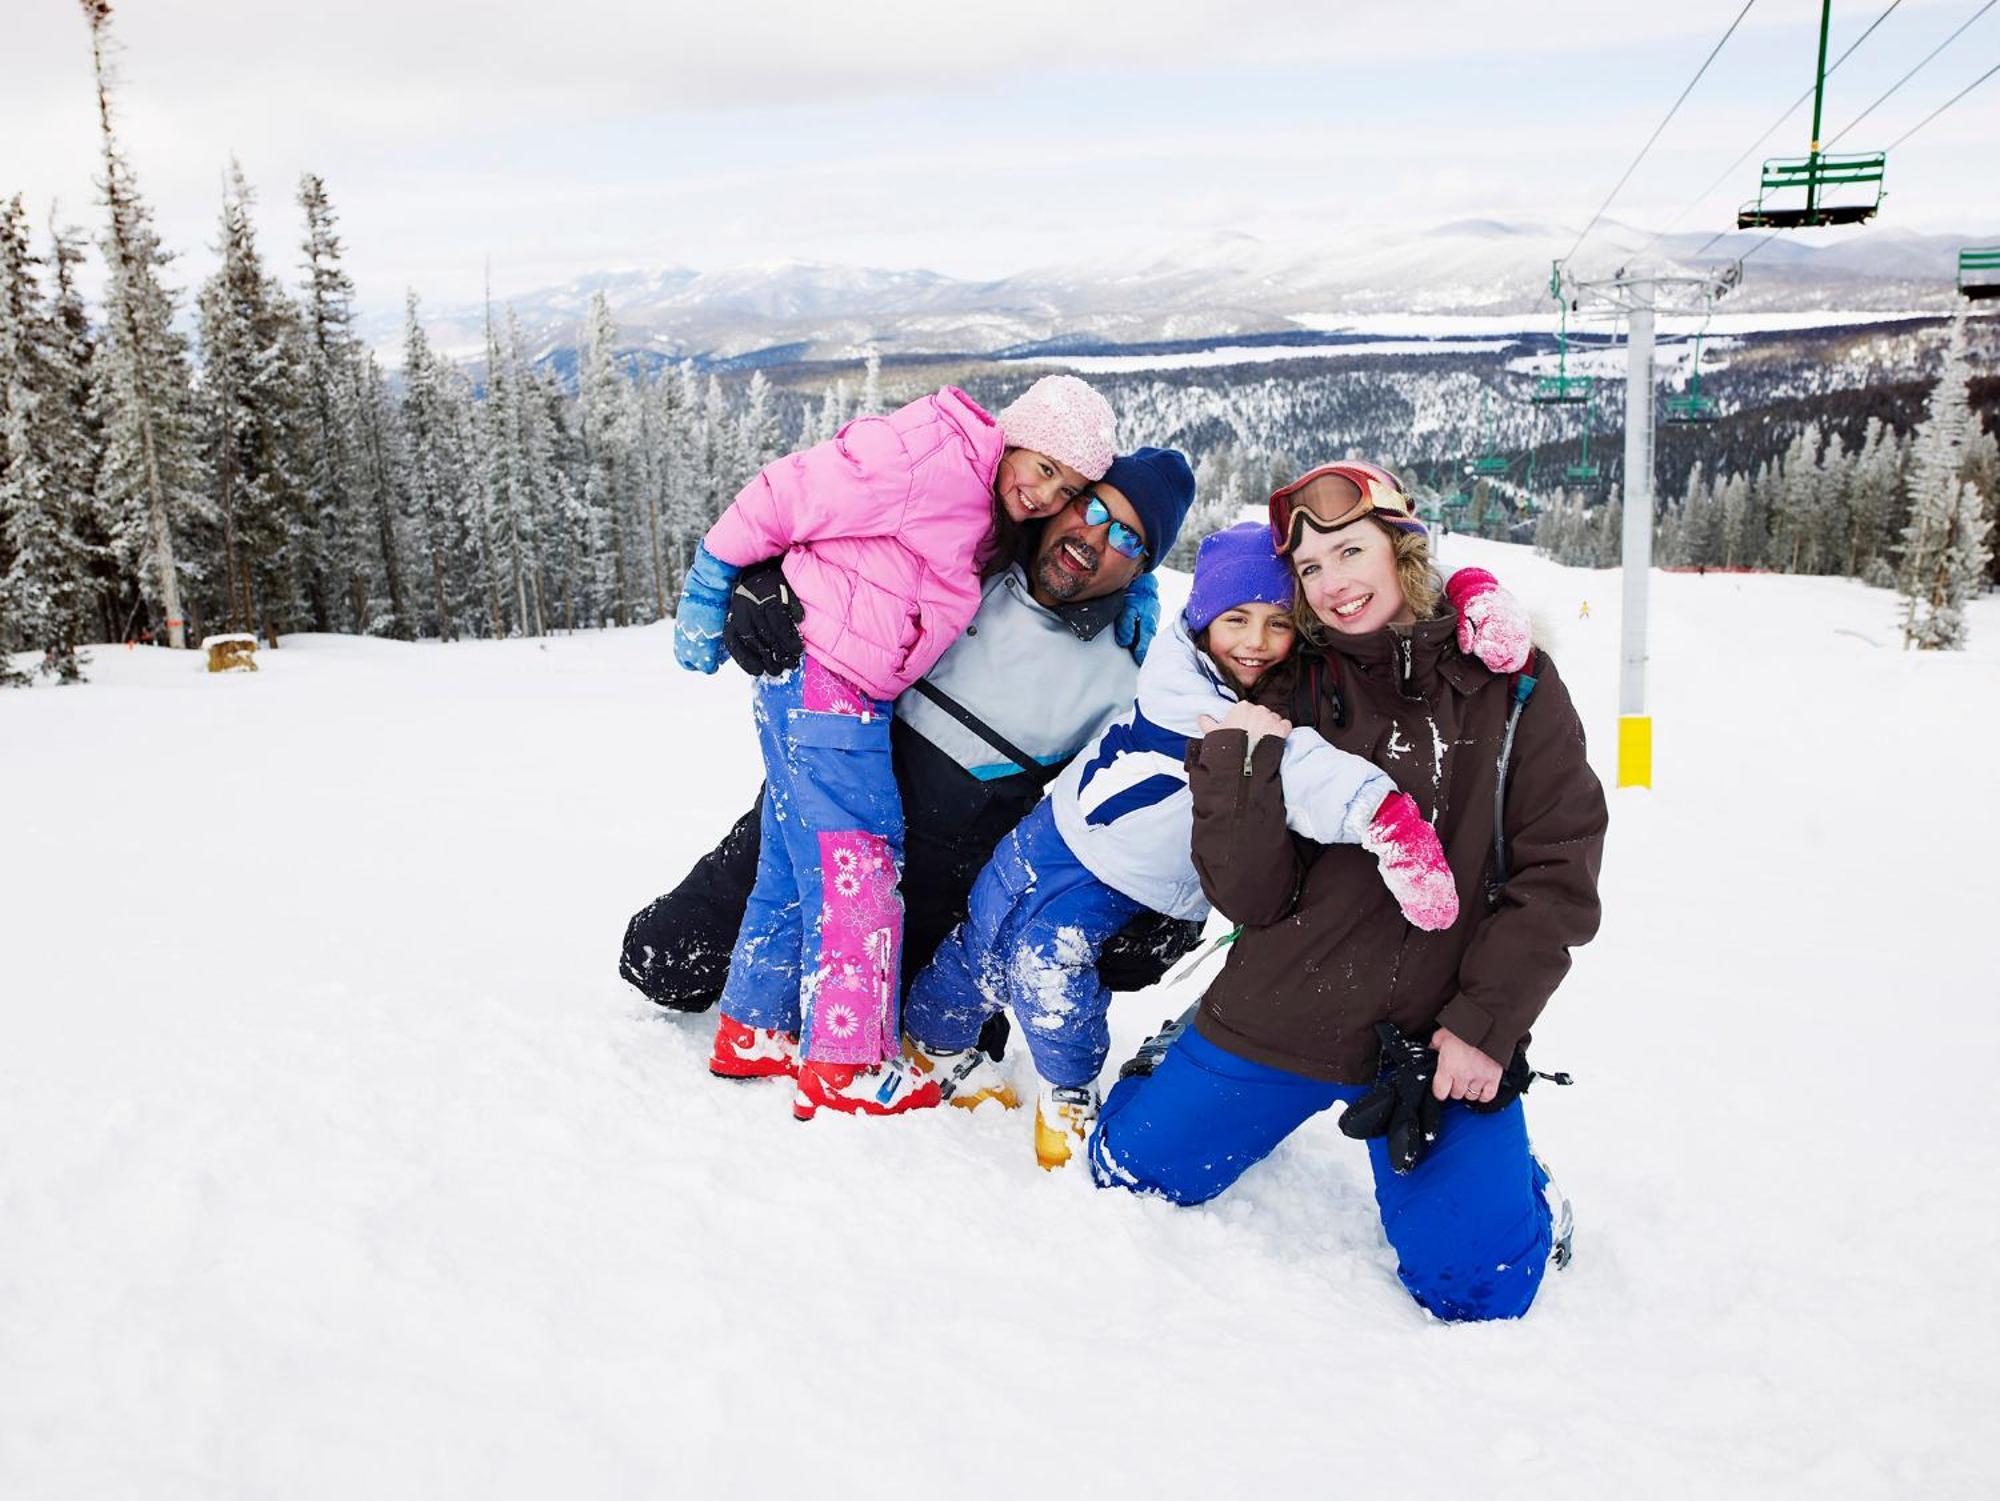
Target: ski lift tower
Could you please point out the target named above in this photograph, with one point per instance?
(1638, 296)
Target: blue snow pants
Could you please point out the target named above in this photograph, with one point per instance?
(1469, 1225)
(1030, 941)
(819, 952)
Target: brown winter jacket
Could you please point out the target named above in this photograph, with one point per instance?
(1325, 953)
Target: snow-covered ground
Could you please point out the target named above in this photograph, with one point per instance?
(1502, 325)
(335, 1161)
(1261, 354)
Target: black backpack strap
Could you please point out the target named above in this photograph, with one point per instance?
(1519, 689)
(1021, 759)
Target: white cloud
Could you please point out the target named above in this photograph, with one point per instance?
(558, 139)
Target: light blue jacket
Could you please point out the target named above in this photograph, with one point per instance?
(1123, 805)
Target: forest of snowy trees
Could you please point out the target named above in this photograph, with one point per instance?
(269, 476)
(1913, 513)
(273, 478)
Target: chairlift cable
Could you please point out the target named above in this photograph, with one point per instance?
(1757, 145)
(1945, 106)
(1914, 71)
(1613, 194)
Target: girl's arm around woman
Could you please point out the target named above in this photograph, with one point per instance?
(1244, 854)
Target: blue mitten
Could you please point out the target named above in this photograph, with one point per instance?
(1140, 617)
(703, 608)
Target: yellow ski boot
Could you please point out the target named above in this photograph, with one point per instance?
(1063, 1118)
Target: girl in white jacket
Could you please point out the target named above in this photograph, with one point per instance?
(1113, 838)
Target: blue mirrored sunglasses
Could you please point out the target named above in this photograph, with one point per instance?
(1124, 541)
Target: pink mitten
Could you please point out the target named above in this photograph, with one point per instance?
(1413, 863)
(1492, 625)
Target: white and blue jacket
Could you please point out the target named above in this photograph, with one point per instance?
(1123, 805)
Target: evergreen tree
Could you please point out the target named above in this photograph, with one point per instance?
(44, 565)
(600, 413)
(149, 480)
(435, 481)
(871, 384)
(336, 557)
(253, 426)
(381, 479)
(79, 444)
(1947, 542)
(504, 482)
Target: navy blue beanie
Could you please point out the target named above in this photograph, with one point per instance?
(1236, 567)
(1160, 486)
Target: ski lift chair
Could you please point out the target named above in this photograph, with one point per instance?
(1979, 272)
(1783, 177)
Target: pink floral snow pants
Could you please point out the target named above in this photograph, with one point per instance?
(820, 949)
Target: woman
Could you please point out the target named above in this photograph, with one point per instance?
(1293, 1024)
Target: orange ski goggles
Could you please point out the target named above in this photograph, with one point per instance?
(1310, 501)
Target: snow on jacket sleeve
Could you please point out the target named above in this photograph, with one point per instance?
(1330, 794)
(857, 483)
(1555, 845)
(1244, 854)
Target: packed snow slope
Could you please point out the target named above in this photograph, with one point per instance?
(335, 1161)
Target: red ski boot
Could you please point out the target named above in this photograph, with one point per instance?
(861, 1089)
(746, 1052)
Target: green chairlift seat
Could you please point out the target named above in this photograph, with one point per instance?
(1979, 272)
(1854, 180)
(1488, 462)
(1776, 206)
(1693, 406)
(1562, 388)
(1584, 470)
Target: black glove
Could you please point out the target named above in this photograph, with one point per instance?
(1401, 1105)
(761, 630)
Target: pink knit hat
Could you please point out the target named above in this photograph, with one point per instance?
(1066, 419)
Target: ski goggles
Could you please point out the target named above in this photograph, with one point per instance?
(1309, 502)
(1124, 541)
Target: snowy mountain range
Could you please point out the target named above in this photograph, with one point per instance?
(1225, 284)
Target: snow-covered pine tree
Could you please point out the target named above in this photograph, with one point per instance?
(1946, 542)
(832, 412)
(338, 560)
(1219, 497)
(80, 442)
(687, 494)
(758, 440)
(555, 527)
(1981, 470)
(45, 584)
(648, 479)
(149, 481)
(431, 475)
(1869, 484)
(503, 480)
(254, 426)
(871, 384)
(600, 414)
(381, 461)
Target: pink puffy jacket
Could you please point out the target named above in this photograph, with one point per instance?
(881, 528)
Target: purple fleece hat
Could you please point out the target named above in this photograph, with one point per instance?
(1236, 567)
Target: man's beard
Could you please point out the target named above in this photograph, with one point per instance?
(1058, 582)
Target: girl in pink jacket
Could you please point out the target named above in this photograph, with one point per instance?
(883, 531)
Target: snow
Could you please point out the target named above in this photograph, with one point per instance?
(335, 1161)
(1504, 325)
(1261, 354)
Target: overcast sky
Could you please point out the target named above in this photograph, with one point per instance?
(558, 139)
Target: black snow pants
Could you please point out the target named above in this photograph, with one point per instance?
(677, 948)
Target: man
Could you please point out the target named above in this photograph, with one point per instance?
(1049, 656)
